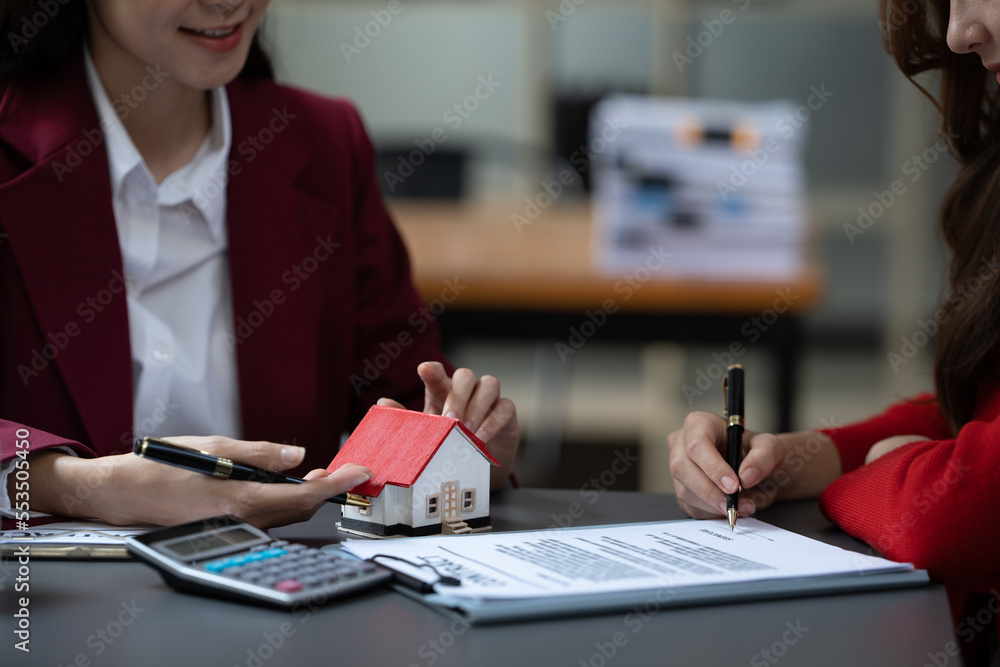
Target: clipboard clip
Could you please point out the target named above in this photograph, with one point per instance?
(419, 585)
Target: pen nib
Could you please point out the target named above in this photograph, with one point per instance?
(731, 513)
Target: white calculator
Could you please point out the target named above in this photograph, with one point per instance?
(226, 557)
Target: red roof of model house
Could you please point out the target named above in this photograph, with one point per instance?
(397, 445)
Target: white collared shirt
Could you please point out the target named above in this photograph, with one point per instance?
(173, 244)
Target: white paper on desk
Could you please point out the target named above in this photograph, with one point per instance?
(76, 532)
(605, 559)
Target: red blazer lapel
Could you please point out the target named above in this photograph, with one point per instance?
(60, 225)
(276, 232)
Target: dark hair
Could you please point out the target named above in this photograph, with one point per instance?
(914, 33)
(38, 37)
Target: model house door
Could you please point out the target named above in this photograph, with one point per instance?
(449, 500)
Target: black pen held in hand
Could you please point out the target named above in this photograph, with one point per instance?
(180, 456)
(732, 392)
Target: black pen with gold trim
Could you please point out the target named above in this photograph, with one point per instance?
(180, 456)
(732, 393)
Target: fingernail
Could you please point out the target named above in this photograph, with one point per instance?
(381, 401)
(360, 478)
(747, 507)
(750, 477)
(291, 454)
(451, 414)
(729, 484)
(722, 507)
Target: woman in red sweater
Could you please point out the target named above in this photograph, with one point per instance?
(919, 482)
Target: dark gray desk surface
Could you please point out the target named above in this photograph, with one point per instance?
(76, 610)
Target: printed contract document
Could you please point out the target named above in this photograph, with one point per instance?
(606, 567)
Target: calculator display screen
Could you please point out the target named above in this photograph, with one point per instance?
(204, 542)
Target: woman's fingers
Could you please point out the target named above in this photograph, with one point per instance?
(261, 454)
(703, 478)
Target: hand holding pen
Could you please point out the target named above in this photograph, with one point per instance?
(787, 465)
(220, 467)
(127, 489)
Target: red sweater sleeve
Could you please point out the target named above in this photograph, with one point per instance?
(919, 415)
(930, 503)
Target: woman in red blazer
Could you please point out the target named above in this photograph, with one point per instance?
(325, 319)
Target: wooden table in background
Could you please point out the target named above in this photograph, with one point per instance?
(537, 282)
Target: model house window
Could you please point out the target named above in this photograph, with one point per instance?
(366, 511)
(468, 500)
(432, 505)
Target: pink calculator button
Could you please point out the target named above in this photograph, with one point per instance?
(288, 585)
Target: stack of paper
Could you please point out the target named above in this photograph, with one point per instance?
(606, 568)
(70, 539)
(719, 185)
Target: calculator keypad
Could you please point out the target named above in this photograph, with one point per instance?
(289, 568)
(226, 557)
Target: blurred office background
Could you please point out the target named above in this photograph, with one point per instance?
(407, 64)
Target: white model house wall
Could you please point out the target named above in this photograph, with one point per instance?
(456, 460)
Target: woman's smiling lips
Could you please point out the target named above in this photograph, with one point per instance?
(216, 39)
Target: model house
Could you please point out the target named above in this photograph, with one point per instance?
(431, 475)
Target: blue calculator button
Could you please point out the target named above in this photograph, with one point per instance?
(255, 556)
(273, 553)
(217, 565)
